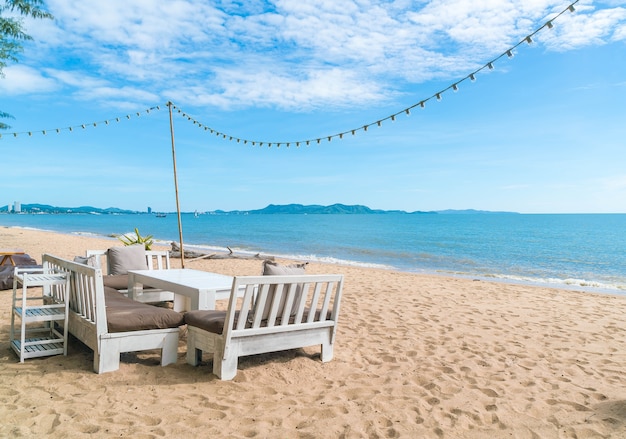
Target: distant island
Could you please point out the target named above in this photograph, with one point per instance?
(296, 209)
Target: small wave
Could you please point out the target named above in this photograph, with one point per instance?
(570, 283)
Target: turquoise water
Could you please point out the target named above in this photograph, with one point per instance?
(575, 250)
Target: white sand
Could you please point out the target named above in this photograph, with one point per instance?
(417, 356)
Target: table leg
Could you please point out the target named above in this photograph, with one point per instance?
(204, 300)
(181, 303)
(135, 289)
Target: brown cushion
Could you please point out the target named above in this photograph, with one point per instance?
(124, 314)
(271, 268)
(122, 259)
(116, 281)
(213, 321)
(209, 320)
(119, 282)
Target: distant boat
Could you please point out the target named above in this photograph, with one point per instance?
(161, 215)
(196, 214)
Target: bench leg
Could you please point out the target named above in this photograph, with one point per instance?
(108, 360)
(225, 363)
(169, 352)
(327, 351)
(194, 355)
(225, 369)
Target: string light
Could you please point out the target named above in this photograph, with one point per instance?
(472, 76)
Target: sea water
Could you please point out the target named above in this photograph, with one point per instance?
(577, 250)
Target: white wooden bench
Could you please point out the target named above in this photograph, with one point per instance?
(155, 260)
(276, 313)
(90, 318)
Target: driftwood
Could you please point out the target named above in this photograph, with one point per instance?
(191, 255)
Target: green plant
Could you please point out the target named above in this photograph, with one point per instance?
(129, 239)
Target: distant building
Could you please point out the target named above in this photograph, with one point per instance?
(149, 209)
(17, 207)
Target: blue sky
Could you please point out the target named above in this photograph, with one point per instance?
(543, 132)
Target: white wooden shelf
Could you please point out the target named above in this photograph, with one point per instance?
(42, 314)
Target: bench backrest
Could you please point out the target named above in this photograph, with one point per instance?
(86, 290)
(295, 301)
(156, 259)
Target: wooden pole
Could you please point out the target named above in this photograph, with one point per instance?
(180, 224)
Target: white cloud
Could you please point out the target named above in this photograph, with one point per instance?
(265, 87)
(21, 79)
(292, 54)
(586, 27)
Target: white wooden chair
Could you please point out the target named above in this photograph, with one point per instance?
(89, 316)
(288, 312)
(155, 259)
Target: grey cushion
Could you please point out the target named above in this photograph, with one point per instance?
(271, 268)
(86, 260)
(122, 259)
(7, 270)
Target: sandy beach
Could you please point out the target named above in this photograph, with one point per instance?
(417, 356)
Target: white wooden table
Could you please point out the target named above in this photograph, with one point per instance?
(193, 289)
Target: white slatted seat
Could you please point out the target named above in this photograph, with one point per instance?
(100, 317)
(276, 313)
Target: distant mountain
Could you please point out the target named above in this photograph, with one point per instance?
(338, 209)
(317, 209)
(297, 209)
(45, 208)
(471, 212)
